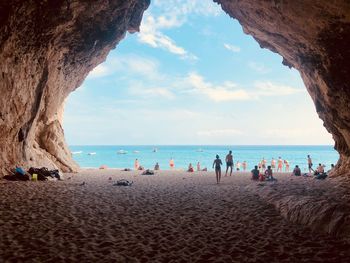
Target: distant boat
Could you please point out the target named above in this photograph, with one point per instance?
(92, 153)
(78, 152)
(136, 151)
(200, 150)
(122, 152)
(155, 150)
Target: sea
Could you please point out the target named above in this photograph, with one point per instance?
(123, 156)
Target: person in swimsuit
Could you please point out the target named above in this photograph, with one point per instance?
(229, 162)
(244, 165)
(279, 164)
(309, 164)
(286, 164)
(171, 163)
(198, 166)
(136, 164)
(217, 163)
(263, 164)
(273, 164)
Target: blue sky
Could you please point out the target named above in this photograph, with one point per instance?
(191, 76)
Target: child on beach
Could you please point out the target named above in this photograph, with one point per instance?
(244, 166)
(171, 163)
(190, 168)
(217, 163)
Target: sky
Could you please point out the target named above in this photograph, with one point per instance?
(191, 76)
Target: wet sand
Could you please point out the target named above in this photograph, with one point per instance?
(172, 216)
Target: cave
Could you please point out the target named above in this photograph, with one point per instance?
(48, 48)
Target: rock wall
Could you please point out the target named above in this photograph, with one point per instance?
(47, 48)
(313, 36)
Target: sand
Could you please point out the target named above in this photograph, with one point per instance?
(172, 216)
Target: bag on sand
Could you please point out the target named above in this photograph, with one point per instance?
(148, 172)
(123, 182)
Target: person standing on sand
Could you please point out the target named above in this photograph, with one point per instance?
(198, 166)
(286, 164)
(229, 162)
(309, 164)
(279, 164)
(136, 164)
(217, 163)
(273, 164)
(171, 163)
(263, 164)
(244, 166)
(156, 167)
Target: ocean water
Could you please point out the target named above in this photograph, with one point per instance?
(183, 155)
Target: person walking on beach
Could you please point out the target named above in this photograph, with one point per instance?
(217, 163)
(172, 163)
(229, 162)
(309, 164)
(279, 164)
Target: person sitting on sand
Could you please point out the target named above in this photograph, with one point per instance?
(319, 169)
(205, 169)
(171, 163)
(238, 166)
(141, 168)
(229, 162)
(268, 174)
(198, 166)
(190, 168)
(255, 173)
(217, 163)
(136, 164)
(332, 168)
(296, 171)
(156, 167)
(244, 166)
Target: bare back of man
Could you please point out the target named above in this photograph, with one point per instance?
(229, 162)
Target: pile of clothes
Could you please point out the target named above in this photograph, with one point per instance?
(41, 174)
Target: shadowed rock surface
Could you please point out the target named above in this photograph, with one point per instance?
(47, 48)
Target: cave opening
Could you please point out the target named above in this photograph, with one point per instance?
(182, 81)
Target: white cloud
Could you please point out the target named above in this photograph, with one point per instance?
(100, 71)
(128, 65)
(259, 67)
(268, 88)
(139, 90)
(174, 13)
(229, 91)
(219, 132)
(225, 92)
(150, 33)
(232, 48)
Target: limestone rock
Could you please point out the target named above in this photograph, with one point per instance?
(47, 48)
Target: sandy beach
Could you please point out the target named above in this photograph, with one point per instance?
(172, 216)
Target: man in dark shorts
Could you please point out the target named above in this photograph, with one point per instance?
(309, 164)
(229, 162)
(255, 173)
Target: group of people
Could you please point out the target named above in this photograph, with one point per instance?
(260, 171)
